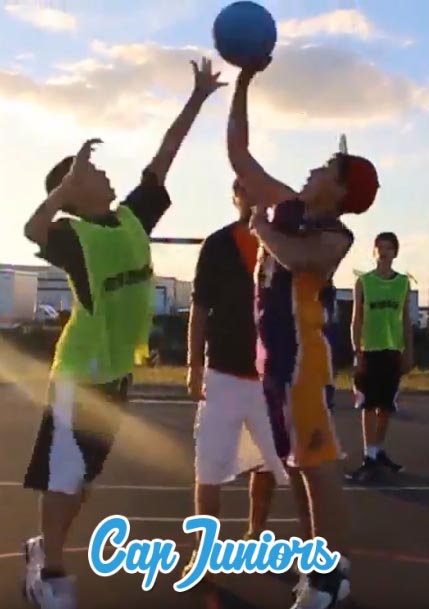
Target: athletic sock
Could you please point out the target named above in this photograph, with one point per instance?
(371, 451)
(52, 574)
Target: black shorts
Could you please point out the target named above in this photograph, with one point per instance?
(377, 386)
(76, 435)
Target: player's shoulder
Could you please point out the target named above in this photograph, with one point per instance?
(62, 224)
(344, 229)
(219, 235)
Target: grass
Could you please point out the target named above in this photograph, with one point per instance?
(163, 375)
(417, 380)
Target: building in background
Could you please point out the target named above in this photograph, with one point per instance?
(424, 318)
(172, 295)
(18, 297)
(50, 287)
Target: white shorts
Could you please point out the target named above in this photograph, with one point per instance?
(75, 437)
(233, 432)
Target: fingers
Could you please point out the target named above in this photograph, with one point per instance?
(207, 65)
(194, 67)
(89, 144)
(85, 152)
(87, 148)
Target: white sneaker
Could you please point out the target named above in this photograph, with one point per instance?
(34, 561)
(56, 593)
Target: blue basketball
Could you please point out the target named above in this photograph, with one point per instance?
(244, 33)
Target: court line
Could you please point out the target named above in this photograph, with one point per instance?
(147, 401)
(423, 560)
(167, 519)
(240, 489)
(228, 489)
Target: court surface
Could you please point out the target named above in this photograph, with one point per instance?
(148, 478)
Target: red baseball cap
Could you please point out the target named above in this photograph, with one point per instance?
(361, 180)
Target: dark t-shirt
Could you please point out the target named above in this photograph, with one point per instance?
(223, 285)
(148, 201)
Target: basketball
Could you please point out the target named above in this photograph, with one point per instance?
(244, 33)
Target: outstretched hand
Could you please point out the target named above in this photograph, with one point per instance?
(79, 167)
(252, 69)
(206, 82)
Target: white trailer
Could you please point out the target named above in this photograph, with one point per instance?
(172, 295)
(18, 297)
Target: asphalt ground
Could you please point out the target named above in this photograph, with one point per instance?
(149, 479)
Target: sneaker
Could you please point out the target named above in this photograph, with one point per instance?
(383, 460)
(251, 536)
(34, 560)
(365, 473)
(343, 567)
(58, 593)
(322, 591)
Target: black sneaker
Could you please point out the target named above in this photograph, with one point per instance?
(365, 473)
(322, 591)
(383, 459)
(343, 570)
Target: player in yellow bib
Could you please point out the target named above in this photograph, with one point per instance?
(106, 255)
(383, 344)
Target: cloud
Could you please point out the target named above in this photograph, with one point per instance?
(25, 57)
(341, 22)
(310, 85)
(43, 18)
(126, 86)
(418, 158)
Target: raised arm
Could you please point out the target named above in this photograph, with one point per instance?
(266, 189)
(38, 225)
(319, 252)
(205, 84)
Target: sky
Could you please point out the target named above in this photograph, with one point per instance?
(119, 70)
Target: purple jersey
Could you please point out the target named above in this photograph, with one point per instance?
(291, 307)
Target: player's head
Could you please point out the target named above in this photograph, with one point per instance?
(347, 184)
(93, 193)
(241, 200)
(386, 248)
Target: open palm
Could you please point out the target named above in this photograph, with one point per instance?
(205, 81)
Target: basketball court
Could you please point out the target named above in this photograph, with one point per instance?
(149, 479)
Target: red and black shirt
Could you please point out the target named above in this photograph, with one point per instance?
(224, 285)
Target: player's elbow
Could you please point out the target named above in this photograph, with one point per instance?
(34, 233)
(237, 157)
(30, 232)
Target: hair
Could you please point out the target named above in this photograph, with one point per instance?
(58, 173)
(390, 237)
